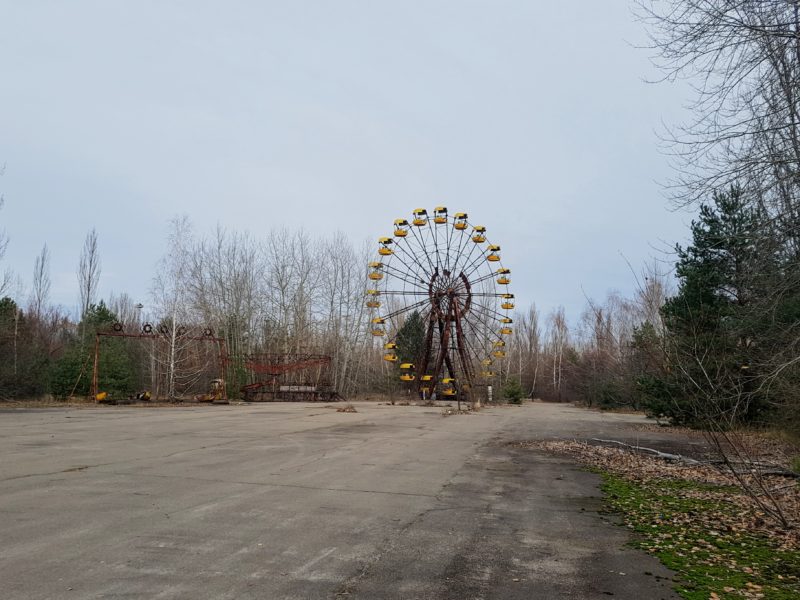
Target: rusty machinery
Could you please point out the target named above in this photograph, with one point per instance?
(280, 381)
(217, 391)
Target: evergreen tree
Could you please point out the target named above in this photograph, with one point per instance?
(411, 338)
(709, 329)
(72, 373)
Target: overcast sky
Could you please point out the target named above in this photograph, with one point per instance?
(342, 115)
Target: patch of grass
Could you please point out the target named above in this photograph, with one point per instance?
(680, 522)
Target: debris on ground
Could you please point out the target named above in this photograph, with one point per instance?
(454, 411)
(347, 408)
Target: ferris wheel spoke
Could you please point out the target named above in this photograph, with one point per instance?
(462, 242)
(403, 293)
(403, 276)
(405, 309)
(408, 267)
(466, 261)
(423, 247)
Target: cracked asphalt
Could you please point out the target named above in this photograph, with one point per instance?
(300, 501)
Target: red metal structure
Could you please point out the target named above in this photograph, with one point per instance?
(281, 381)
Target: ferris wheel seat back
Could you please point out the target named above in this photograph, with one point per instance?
(400, 228)
(384, 250)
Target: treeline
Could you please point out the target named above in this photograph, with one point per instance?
(284, 293)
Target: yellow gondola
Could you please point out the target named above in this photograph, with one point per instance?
(407, 366)
(440, 215)
(426, 378)
(486, 362)
(390, 346)
(378, 332)
(407, 377)
(479, 234)
(379, 320)
(506, 320)
(390, 357)
(488, 374)
(373, 304)
(384, 250)
(507, 305)
(374, 292)
(506, 331)
(503, 271)
(448, 380)
(376, 275)
(420, 217)
(400, 228)
(448, 392)
(460, 221)
(503, 280)
(499, 353)
(499, 344)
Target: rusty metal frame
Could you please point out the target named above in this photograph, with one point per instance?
(221, 347)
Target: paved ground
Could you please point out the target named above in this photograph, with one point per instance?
(299, 501)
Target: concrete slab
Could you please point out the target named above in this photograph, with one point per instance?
(300, 501)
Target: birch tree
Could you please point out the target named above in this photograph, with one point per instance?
(88, 272)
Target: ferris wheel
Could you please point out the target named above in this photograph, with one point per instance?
(441, 271)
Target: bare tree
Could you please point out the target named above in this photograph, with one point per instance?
(744, 58)
(171, 298)
(6, 277)
(559, 335)
(89, 272)
(41, 283)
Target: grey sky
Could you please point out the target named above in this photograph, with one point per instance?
(334, 116)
